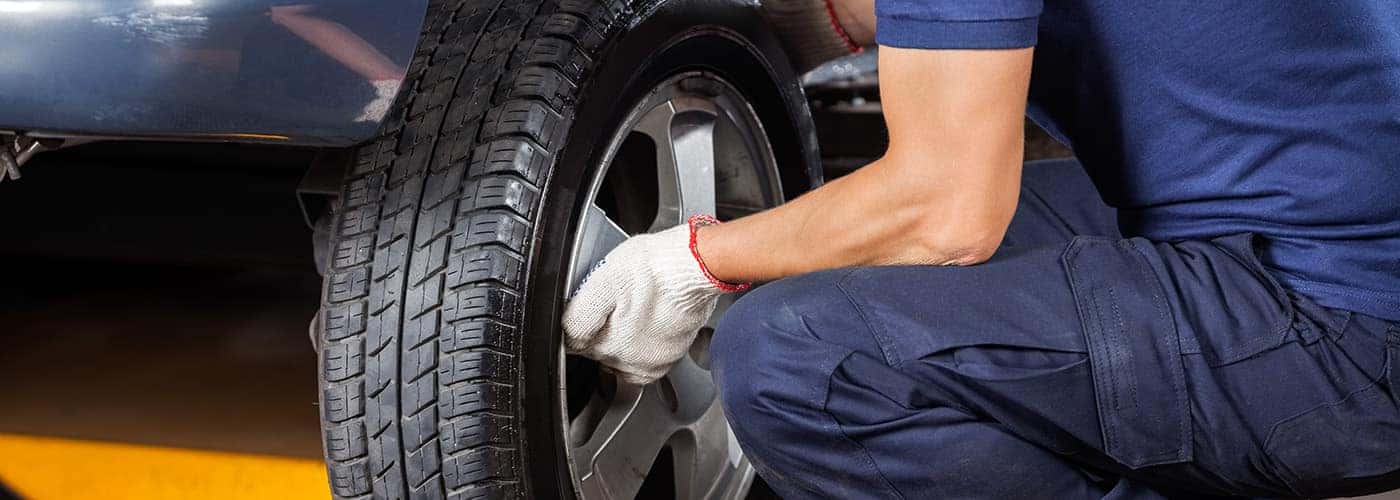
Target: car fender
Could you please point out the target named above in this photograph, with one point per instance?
(304, 72)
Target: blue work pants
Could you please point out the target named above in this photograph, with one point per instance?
(1075, 363)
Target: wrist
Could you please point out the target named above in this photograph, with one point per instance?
(701, 227)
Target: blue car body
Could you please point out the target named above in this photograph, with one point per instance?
(216, 70)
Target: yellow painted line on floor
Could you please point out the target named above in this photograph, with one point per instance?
(265, 137)
(49, 468)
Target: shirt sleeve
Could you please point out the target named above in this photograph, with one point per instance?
(957, 24)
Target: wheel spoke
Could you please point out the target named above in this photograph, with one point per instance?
(600, 235)
(705, 461)
(693, 141)
(656, 125)
(701, 460)
(683, 131)
(638, 421)
(614, 461)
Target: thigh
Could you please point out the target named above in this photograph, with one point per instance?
(1000, 340)
(867, 375)
(1181, 365)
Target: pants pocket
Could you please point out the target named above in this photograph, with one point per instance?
(1233, 309)
(1347, 448)
(1134, 352)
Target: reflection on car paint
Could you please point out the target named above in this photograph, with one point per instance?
(347, 48)
(160, 27)
(317, 72)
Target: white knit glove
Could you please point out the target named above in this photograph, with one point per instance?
(809, 31)
(639, 310)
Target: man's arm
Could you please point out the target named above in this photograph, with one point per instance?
(943, 193)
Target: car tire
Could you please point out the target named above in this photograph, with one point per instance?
(451, 240)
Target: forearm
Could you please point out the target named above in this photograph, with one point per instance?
(943, 193)
(866, 218)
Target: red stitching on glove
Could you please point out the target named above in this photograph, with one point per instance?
(705, 220)
(840, 30)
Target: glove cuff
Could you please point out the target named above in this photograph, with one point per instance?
(695, 221)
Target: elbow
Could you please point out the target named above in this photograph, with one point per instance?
(970, 241)
(951, 222)
(972, 247)
(975, 255)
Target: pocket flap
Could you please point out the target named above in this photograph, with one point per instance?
(1134, 352)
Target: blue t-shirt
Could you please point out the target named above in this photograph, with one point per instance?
(1204, 119)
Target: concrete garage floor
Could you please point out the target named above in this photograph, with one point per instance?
(150, 300)
(192, 357)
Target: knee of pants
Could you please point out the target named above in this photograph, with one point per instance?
(775, 350)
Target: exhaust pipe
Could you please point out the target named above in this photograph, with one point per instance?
(17, 149)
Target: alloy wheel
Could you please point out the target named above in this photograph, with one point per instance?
(692, 145)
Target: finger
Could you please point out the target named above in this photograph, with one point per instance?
(634, 360)
(636, 379)
(587, 313)
(627, 377)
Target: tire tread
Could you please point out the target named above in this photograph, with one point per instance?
(421, 310)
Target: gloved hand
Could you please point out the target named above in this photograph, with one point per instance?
(639, 310)
(809, 31)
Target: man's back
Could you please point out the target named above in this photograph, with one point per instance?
(1203, 119)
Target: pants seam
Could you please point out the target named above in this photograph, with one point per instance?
(885, 351)
(881, 340)
(1392, 349)
(1267, 447)
(1049, 209)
